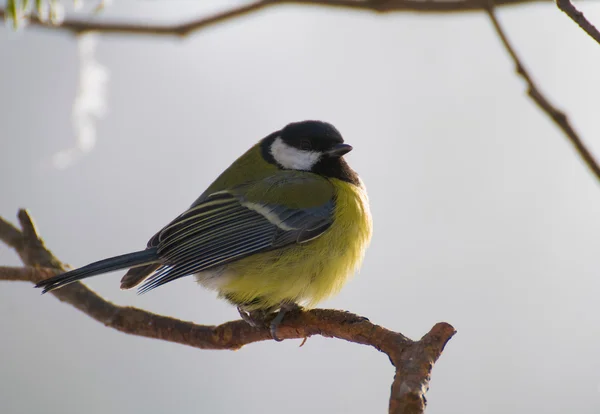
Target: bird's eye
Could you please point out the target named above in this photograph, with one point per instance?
(305, 145)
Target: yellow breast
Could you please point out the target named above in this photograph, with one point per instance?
(304, 273)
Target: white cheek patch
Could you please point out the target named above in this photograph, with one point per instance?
(293, 158)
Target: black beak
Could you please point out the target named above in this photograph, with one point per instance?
(338, 150)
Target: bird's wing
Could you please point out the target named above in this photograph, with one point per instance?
(284, 209)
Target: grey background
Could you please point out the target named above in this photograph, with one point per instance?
(484, 216)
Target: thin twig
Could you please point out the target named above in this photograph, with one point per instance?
(534, 93)
(578, 17)
(76, 26)
(10, 235)
(413, 359)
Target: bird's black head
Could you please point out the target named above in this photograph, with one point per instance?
(310, 146)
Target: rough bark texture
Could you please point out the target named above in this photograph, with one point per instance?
(413, 359)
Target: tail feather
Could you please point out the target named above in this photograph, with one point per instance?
(137, 275)
(143, 257)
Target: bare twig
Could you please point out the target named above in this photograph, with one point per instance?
(10, 235)
(578, 17)
(534, 93)
(183, 29)
(413, 359)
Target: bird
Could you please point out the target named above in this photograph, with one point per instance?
(284, 227)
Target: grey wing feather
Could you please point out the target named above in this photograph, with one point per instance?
(222, 229)
(307, 224)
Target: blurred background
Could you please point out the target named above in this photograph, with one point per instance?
(484, 215)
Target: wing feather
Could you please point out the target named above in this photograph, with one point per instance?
(226, 226)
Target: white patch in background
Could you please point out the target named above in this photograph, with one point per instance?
(56, 12)
(89, 105)
(293, 158)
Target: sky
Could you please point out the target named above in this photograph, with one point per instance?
(484, 216)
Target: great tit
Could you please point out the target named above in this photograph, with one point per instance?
(286, 224)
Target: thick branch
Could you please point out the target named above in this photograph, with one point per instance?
(183, 29)
(26, 274)
(413, 359)
(578, 17)
(231, 335)
(534, 93)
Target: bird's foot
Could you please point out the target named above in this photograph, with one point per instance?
(283, 310)
(251, 318)
(260, 318)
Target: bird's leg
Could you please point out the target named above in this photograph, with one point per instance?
(285, 308)
(247, 317)
(259, 318)
(256, 318)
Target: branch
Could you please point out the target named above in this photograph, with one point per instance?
(76, 26)
(413, 359)
(26, 274)
(534, 93)
(578, 17)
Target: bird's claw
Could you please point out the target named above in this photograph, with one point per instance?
(246, 317)
(283, 310)
(257, 319)
(275, 323)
